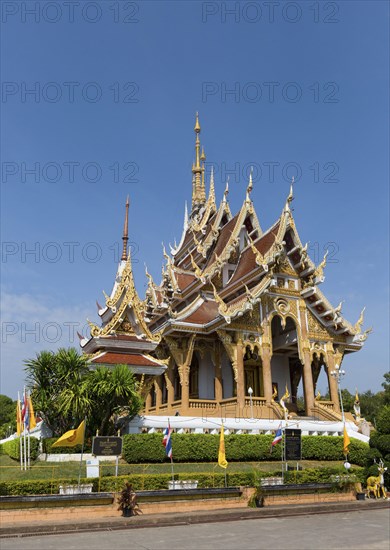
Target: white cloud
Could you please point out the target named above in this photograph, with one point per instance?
(30, 324)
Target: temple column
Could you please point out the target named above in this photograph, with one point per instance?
(148, 402)
(267, 373)
(240, 376)
(158, 386)
(266, 361)
(333, 388)
(169, 379)
(184, 371)
(218, 388)
(308, 386)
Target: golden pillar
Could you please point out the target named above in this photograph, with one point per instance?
(267, 373)
(218, 388)
(170, 384)
(158, 386)
(266, 361)
(184, 371)
(308, 386)
(333, 386)
(148, 401)
(240, 375)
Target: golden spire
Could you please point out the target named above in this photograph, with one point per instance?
(198, 187)
(125, 237)
(197, 125)
(226, 192)
(212, 188)
(250, 186)
(291, 194)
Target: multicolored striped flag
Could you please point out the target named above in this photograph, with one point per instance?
(167, 441)
(24, 408)
(278, 437)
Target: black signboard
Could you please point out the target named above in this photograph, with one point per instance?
(107, 446)
(292, 443)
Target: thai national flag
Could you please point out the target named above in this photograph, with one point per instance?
(277, 438)
(24, 407)
(167, 442)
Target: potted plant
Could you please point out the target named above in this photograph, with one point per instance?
(127, 501)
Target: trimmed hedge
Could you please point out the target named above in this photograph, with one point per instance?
(145, 482)
(48, 442)
(139, 448)
(322, 475)
(12, 448)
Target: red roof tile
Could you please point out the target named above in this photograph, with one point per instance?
(136, 359)
(204, 314)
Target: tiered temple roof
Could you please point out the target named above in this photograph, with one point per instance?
(222, 268)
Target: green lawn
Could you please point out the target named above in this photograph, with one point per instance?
(10, 469)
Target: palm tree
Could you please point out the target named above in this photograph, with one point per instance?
(115, 394)
(59, 387)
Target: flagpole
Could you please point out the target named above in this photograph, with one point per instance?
(82, 449)
(18, 428)
(173, 477)
(28, 448)
(24, 429)
(283, 452)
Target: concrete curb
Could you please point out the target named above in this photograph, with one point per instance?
(187, 518)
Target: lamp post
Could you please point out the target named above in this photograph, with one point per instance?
(250, 391)
(339, 374)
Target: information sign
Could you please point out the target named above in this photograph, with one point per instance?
(292, 443)
(107, 446)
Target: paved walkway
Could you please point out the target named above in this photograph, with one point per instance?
(187, 518)
(362, 529)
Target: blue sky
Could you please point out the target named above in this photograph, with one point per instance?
(303, 90)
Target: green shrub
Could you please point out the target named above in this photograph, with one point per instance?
(40, 487)
(322, 475)
(48, 448)
(139, 448)
(373, 455)
(2, 449)
(383, 420)
(12, 448)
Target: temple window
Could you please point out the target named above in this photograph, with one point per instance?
(164, 390)
(153, 396)
(176, 383)
(194, 378)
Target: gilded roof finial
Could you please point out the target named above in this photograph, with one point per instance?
(148, 275)
(125, 237)
(197, 125)
(250, 185)
(359, 322)
(291, 194)
(226, 192)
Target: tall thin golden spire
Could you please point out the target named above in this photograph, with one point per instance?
(198, 190)
(125, 237)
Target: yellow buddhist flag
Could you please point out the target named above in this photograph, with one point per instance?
(31, 415)
(347, 441)
(72, 437)
(19, 422)
(221, 452)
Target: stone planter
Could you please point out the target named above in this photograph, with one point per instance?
(183, 484)
(76, 489)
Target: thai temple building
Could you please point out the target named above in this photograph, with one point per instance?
(237, 323)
